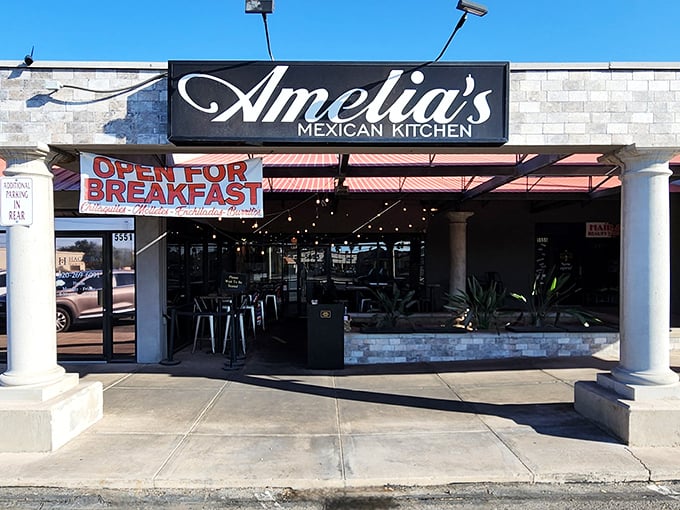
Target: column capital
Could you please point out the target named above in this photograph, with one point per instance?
(20, 159)
(631, 158)
(14, 154)
(458, 216)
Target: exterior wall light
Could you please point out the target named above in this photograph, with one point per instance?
(259, 6)
(467, 7)
(472, 8)
(28, 59)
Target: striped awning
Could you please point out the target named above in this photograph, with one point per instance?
(66, 180)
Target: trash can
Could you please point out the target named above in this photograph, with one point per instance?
(325, 336)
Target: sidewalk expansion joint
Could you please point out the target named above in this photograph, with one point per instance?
(343, 474)
(186, 435)
(486, 425)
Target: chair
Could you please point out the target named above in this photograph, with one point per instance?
(201, 314)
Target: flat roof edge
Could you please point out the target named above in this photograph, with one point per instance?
(590, 66)
(46, 64)
(514, 66)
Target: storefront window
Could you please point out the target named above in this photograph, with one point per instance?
(95, 313)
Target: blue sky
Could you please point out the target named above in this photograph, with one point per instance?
(352, 30)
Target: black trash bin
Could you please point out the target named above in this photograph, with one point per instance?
(325, 336)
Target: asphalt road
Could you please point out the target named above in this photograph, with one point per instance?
(630, 496)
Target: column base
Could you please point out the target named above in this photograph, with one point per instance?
(653, 419)
(42, 419)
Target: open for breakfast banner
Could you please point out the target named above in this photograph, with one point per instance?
(118, 187)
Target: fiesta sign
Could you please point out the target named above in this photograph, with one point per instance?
(312, 103)
(113, 186)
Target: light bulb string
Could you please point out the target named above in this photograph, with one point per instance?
(285, 211)
(376, 216)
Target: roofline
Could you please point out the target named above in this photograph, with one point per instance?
(514, 66)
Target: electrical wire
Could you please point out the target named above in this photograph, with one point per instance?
(460, 23)
(376, 216)
(266, 34)
(114, 91)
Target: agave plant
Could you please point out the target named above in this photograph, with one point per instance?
(478, 305)
(394, 306)
(548, 291)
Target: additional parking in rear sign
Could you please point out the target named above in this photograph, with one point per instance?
(16, 201)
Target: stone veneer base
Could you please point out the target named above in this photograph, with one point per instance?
(370, 348)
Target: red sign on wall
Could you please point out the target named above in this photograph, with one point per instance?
(602, 229)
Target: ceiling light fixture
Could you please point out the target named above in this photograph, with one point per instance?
(467, 7)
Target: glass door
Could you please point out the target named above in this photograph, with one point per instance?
(79, 284)
(95, 294)
(122, 282)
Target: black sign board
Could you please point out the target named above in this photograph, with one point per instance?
(337, 103)
(233, 283)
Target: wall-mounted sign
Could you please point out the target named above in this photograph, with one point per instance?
(114, 186)
(16, 201)
(337, 103)
(602, 229)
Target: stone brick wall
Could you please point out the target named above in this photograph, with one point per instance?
(30, 113)
(363, 348)
(595, 104)
(550, 104)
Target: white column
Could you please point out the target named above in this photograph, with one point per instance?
(150, 241)
(645, 268)
(31, 332)
(458, 250)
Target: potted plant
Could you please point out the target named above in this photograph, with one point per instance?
(395, 307)
(548, 291)
(477, 306)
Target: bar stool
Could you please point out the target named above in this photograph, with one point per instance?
(273, 298)
(247, 305)
(201, 313)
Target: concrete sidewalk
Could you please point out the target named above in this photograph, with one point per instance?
(195, 425)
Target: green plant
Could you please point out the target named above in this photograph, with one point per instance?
(548, 291)
(394, 306)
(477, 305)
